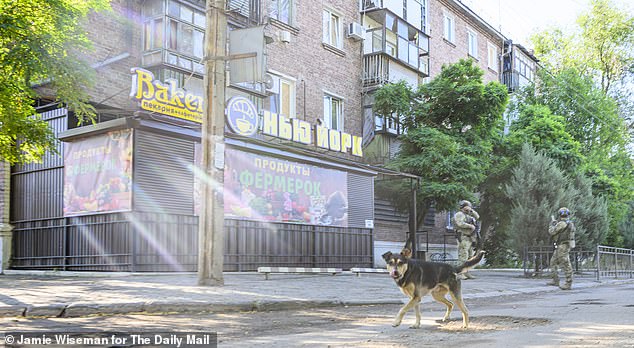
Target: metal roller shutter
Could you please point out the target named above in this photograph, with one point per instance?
(360, 199)
(162, 175)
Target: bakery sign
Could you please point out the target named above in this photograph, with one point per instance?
(243, 119)
(165, 97)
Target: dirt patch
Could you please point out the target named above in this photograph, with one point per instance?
(493, 323)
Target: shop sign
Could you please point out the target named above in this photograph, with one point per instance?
(263, 188)
(243, 119)
(165, 98)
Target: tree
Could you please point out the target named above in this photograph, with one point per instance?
(451, 125)
(39, 44)
(536, 189)
(590, 214)
(591, 119)
(546, 132)
(601, 47)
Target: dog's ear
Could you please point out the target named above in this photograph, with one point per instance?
(406, 253)
(387, 256)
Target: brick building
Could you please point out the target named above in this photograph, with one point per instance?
(323, 61)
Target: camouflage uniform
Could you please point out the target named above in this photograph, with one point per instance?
(561, 232)
(464, 222)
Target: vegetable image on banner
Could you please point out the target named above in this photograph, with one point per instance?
(98, 173)
(264, 188)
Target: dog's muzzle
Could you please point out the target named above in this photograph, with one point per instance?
(394, 274)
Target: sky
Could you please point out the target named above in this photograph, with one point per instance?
(518, 19)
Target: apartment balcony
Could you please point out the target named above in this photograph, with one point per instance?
(514, 80)
(393, 50)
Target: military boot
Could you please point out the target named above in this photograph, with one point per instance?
(469, 276)
(566, 286)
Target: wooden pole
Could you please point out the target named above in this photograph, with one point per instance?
(211, 219)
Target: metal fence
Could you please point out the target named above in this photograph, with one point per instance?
(614, 262)
(605, 261)
(151, 242)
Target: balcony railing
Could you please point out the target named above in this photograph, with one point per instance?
(376, 69)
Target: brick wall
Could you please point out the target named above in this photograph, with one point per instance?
(112, 33)
(318, 69)
(443, 52)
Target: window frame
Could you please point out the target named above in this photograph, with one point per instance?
(327, 20)
(472, 43)
(275, 8)
(492, 57)
(327, 114)
(449, 28)
(277, 96)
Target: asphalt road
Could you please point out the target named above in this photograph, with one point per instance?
(592, 317)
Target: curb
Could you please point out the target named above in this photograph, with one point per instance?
(75, 310)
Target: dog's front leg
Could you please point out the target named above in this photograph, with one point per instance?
(417, 311)
(399, 317)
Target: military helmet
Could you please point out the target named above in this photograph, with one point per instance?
(464, 203)
(563, 211)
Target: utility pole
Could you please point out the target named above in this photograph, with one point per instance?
(211, 219)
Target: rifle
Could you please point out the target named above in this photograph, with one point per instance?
(478, 226)
(476, 231)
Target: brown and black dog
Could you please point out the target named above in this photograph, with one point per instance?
(417, 278)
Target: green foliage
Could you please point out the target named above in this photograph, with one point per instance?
(394, 100)
(601, 46)
(537, 189)
(448, 168)
(592, 119)
(590, 116)
(452, 123)
(546, 132)
(39, 44)
(459, 103)
(589, 212)
(626, 226)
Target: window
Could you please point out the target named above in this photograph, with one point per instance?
(492, 60)
(333, 112)
(423, 16)
(153, 34)
(332, 29)
(449, 28)
(283, 99)
(282, 10)
(472, 43)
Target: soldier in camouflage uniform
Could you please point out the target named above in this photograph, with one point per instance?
(464, 222)
(562, 233)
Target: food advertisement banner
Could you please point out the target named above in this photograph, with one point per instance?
(264, 188)
(98, 173)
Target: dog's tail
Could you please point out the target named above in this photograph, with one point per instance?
(471, 262)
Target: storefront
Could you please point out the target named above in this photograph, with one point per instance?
(123, 196)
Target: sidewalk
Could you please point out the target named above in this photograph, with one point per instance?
(62, 294)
